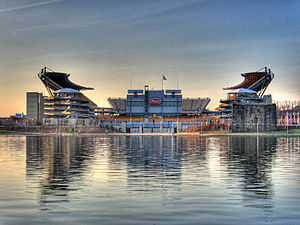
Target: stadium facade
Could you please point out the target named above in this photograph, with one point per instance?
(67, 103)
(246, 107)
(158, 103)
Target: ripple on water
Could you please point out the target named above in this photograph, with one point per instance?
(149, 180)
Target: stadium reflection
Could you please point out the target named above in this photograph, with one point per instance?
(165, 166)
(153, 164)
(254, 157)
(55, 164)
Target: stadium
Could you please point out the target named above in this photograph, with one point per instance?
(156, 111)
(66, 100)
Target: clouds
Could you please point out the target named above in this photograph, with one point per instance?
(189, 29)
(31, 5)
(205, 43)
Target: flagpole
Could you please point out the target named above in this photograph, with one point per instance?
(162, 81)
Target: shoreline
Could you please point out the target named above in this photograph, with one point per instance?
(185, 134)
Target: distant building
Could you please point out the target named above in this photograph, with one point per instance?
(34, 106)
(288, 113)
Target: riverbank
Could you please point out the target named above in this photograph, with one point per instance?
(295, 132)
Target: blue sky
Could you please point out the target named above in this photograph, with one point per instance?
(205, 44)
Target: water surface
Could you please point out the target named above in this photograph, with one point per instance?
(149, 180)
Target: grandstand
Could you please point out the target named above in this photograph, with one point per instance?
(250, 91)
(194, 106)
(118, 105)
(65, 100)
(68, 103)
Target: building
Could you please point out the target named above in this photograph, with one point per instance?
(288, 113)
(154, 102)
(34, 106)
(68, 103)
(158, 103)
(251, 90)
(247, 106)
(65, 99)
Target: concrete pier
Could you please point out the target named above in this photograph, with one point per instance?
(253, 117)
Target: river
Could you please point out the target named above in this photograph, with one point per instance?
(149, 180)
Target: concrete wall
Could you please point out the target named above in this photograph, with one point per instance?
(253, 117)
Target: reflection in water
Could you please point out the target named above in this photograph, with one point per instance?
(130, 178)
(56, 162)
(153, 164)
(254, 158)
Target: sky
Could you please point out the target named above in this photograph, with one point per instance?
(201, 46)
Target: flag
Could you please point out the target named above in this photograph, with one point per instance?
(164, 78)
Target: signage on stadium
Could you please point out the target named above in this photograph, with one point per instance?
(155, 101)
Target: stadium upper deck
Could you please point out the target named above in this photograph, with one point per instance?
(251, 90)
(65, 99)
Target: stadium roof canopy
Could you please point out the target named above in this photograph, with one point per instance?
(256, 81)
(54, 81)
(249, 80)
